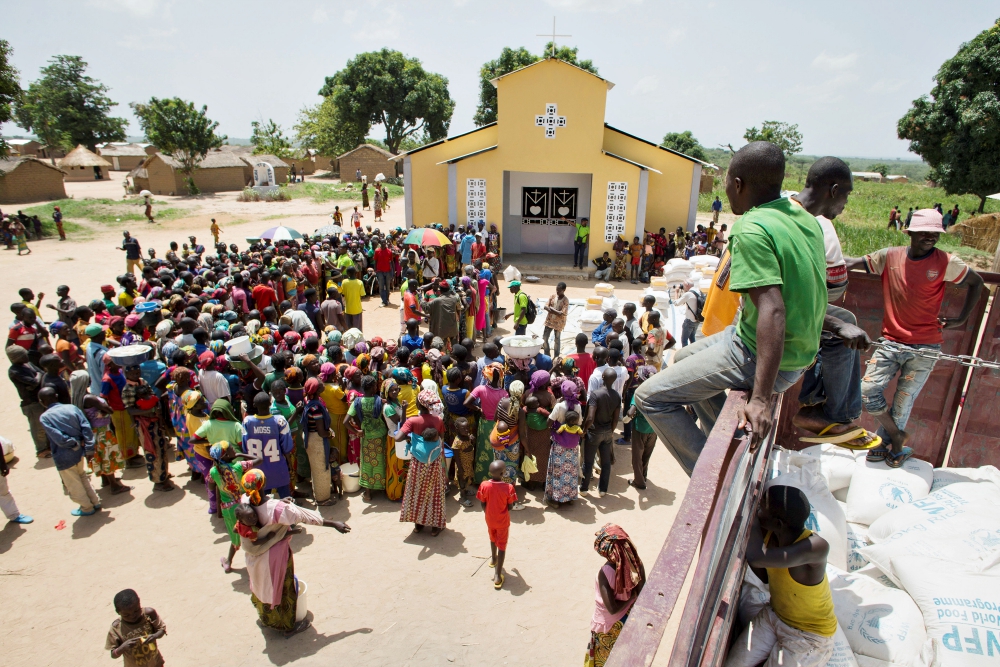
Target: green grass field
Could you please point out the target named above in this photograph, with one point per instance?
(321, 192)
(862, 226)
(107, 211)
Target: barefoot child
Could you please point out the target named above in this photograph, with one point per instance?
(224, 478)
(464, 450)
(797, 626)
(497, 497)
(134, 634)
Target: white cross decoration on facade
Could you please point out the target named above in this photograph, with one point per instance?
(550, 121)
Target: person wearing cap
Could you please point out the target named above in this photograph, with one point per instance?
(95, 356)
(913, 286)
(67, 350)
(520, 313)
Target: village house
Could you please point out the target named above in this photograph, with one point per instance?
(161, 174)
(370, 159)
(28, 179)
(81, 164)
(125, 156)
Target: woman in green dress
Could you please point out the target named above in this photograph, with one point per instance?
(225, 481)
(365, 415)
(395, 467)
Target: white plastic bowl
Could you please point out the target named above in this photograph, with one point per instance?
(401, 453)
(239, 345)
(349, 477)
(302, 602)
(521, 351)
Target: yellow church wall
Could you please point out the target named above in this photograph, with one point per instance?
(429, 180)
(668, 195)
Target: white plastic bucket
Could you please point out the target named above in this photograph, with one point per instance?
(401, 453)
(240, 345)
(349, 477)
(302, 603)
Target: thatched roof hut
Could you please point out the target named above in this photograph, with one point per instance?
(123, 156)
(27, 179)
(161, 174)
(81, 164)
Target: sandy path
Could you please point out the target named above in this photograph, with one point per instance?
(378, 596)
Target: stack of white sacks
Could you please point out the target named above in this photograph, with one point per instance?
(914, 563)
(698, 271)
(603, 299)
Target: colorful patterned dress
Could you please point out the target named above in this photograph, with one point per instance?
(373, 453)
(395, 467)
(353, 440)
(226, 476)
(108, 456)
(178, 418)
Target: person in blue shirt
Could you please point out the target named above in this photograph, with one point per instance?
(465, 247)
(542, 362)
(412, 339)
(600, 334)
(154, 373)
(71, 438)
(716, 209)
(95, 356)
(268, 437)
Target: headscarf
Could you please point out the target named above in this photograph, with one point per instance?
(190, 398)
(570, 393)
(253, 481)
(417, 358)
(614, 544)
(486, 275)
(224, 409)
(313, 387)
(492, 371)
(363, 361)
(516, 391)
(333, 338)
(351, 372)
(403, 376)
(538, 380)
(293, 376)
(352, 337)
(428, 398)
(327, 372)
(391, 346)
(206, 360)
(387, 386)
(309, 359)
(79, 382)
(361, 348)
(215, 451)
(179, 373)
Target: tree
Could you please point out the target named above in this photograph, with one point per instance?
(66, 107)
(10, 91)
(957, 130)
(881, 168)
(179, 130)
(321, 129)
(684, 142)
(267, 138)
(784, 136)
(509, 61)
(387, 88)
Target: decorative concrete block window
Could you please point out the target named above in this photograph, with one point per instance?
(475, 198)
(614, 219)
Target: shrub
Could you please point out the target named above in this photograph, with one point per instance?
(251, 195)
(395, 180)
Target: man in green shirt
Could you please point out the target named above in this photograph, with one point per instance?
(520, 313)
(344, 259)
(580, 243)
(774, 244)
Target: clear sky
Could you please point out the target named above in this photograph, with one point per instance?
(845, 72)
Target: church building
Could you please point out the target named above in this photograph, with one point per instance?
(549, 160)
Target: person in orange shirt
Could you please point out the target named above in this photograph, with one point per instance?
(635, 251)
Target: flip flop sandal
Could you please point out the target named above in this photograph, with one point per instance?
(866, 442)
(821, 438)
(497, 585)
(876, 455)
(896, 460)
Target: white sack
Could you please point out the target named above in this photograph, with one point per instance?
(960, 498)
(826, 518)
(876, 488)
(945, 476)
(836, 463)
(511, 273)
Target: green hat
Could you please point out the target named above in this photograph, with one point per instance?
(93, 329)
(514, 283)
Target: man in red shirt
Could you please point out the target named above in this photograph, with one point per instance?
(584, 361)
(383, 271)
(497, 497)
(913, 285)
(263, 296)
(27, 334)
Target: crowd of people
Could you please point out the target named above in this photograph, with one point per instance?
(900, 222)
(423, 416)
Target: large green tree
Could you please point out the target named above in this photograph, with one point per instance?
(785, 136)
(387, 88)
(320, 128)
(509, 61)
(180, 130)
(10, 91)
(957, 129)
(684, 142)
(268, 139)
(66, 107)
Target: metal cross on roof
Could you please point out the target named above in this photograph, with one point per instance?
(553, 36)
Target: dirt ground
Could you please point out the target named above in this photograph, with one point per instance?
(378, 596)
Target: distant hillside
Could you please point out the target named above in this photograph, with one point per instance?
(915, 170)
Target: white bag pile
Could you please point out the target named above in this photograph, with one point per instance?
(915, 571)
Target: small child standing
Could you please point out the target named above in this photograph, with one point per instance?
(657, 340)
(133, 635)
(464, 458)
(643, 437)
(497, 497)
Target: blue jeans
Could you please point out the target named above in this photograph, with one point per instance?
(597, 442)
(520, 329)
(834, 381)
(384, 280)
(688, 330)
(699, 378)
(579, 254)
(882, 367)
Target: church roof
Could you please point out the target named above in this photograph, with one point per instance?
(521, 69)
(662, 148)
(473, 153)
(632, 162)
(439, 141)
